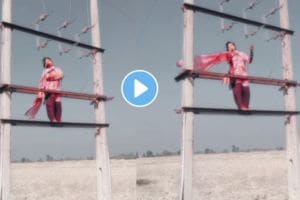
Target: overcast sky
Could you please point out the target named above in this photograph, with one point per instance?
(146, 34)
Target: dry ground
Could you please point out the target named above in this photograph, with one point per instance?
(232, 176)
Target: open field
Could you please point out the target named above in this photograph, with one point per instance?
(232, 176)
(69, 180)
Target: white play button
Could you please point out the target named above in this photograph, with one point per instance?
(139, 88)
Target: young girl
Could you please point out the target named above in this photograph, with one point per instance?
(238, 66)
(50, 80)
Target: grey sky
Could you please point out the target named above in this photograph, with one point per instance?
(145, 34)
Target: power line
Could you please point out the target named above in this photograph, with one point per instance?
(239, 19)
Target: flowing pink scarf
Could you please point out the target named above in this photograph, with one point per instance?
(206, 61)
(33, 110)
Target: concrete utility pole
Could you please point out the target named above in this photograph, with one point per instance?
(5, 98)
(292, 134)
(102, 154)
(186, 184)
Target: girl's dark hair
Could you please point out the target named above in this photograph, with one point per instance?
(227, 44)
(44, 60)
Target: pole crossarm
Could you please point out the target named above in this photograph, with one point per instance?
(227, 111)
(236, 18)
(51, 36)
(67, 94)
(19, 122)
(219, 76)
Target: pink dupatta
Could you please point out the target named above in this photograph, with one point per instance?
(33, 110)
(206, 61)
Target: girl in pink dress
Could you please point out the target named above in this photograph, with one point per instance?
(237, 66)
(50, 80)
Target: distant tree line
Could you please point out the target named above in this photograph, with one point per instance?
(236, 149)
(149, 154)
(49, 158)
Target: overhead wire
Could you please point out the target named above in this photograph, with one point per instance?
(225, 27)
(61, 48)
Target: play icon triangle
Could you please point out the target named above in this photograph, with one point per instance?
(139, 88)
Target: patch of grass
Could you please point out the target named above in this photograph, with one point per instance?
(261, 197)
(141, 182)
